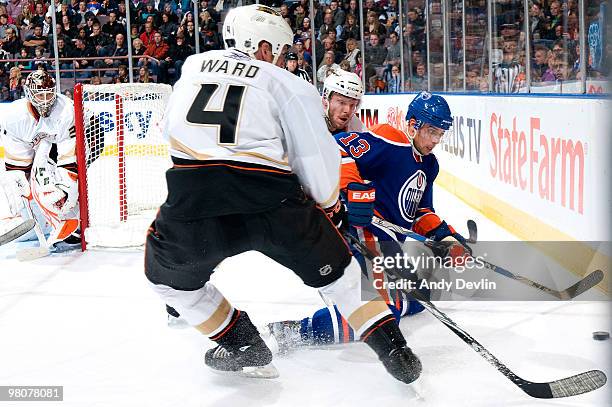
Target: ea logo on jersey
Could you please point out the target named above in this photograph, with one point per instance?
(410, 195)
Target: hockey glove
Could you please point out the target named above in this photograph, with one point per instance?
(15, 185)
(337, 214)
(452, 245)
(360, 203)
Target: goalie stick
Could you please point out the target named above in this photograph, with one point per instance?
(17, 231)
(32, 253)
(583, 285)
(569, 386)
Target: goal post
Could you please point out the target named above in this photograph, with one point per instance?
(122, 158)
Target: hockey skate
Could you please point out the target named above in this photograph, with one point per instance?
(284, 336)
(390, 346)
(242, 352)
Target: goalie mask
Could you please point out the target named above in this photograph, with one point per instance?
(40, 91)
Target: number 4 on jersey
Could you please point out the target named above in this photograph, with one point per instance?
(226, 120)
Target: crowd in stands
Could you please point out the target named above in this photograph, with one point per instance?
(93, 45)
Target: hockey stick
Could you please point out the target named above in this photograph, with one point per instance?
(569, 386)
(17, 231)
(585, 284)
(32, 253)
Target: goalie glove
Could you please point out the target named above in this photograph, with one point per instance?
(15, 185)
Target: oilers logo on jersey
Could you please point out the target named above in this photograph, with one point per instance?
(410, 195)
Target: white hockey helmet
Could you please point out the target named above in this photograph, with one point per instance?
(40, 91)
(246, 27)
(343, 82)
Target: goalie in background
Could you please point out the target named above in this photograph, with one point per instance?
(38, 135)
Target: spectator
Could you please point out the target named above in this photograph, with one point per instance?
(540, 62)
(351, 29)
(177, 55)
(113, 27)
(394, 80)
(158, 50)
(63, 51)
(207, 23)
(302, 64)
(96, 80)
(36, 39)
(188, 31)
(116, 49)
(393, 49)
(353, 8)
(143, 75)
(168, 28)
(298, 17)
(375, 52)
(210, 40)
(24, 60)
(170, 9)
(149, 10)
(147, 35)
(15, 83)
(329, 45)
(107, 7)
(14, 9)
(338, 15)
(69, 30)
(4, 25)
(559, 69)
(122, 75)
(326, 67)
(304, 32)
(26, 16)
(11, 42)
(38, 17)
(299, 49)
(556, 18)
(373, 26)
(419, 80)
(538, 24)
(82, 14)
(97, 39)
(351, 53)
(39, 58)
(82, 51)
(359, 66)
(328, 24)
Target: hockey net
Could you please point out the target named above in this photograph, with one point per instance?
(122, 159)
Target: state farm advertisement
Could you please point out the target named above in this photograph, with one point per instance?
(546, 157)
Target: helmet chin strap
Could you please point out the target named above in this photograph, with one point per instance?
(411, 138)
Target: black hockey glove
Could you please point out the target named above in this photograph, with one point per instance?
(337, 214)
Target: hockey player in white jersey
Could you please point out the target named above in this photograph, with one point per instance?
(256, 169)
(342, 92)
(39, 141)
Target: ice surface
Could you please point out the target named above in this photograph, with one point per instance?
(89, 322)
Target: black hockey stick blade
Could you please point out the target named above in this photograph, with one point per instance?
(583, 285)
(472, 231)
(569, 386)
(17, 231)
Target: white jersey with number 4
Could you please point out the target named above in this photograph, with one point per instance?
(22, 130)
(229, 106)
